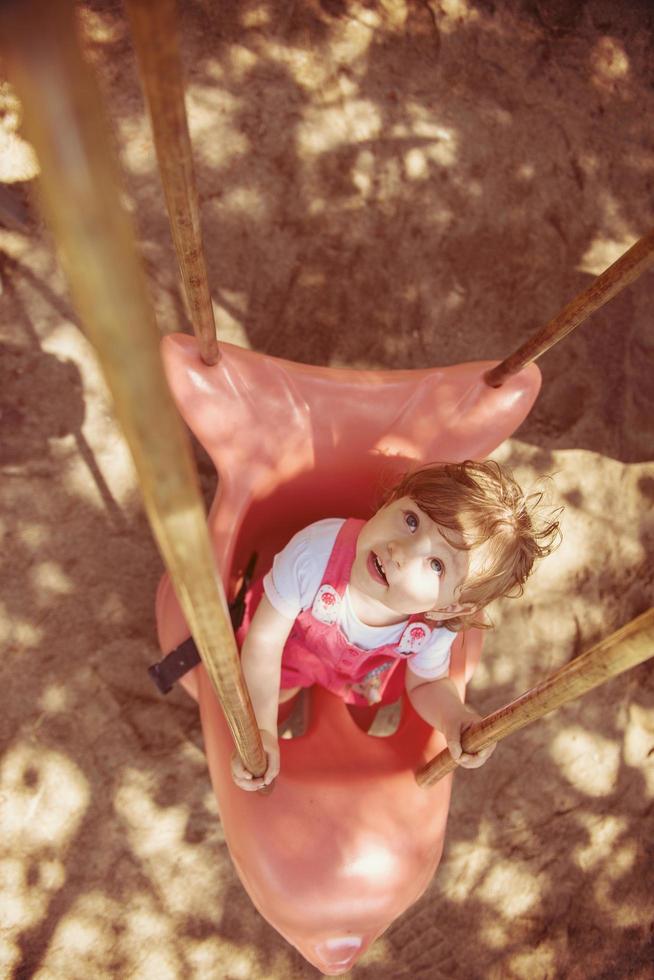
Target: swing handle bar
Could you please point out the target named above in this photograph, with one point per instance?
(626, 648)
(64, 118)
(607, 285)
(155, 37)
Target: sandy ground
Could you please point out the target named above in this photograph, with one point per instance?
(382, 184)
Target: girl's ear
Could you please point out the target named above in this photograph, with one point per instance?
(449, 612)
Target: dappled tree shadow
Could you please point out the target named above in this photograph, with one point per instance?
(377, 190)
(403, 203)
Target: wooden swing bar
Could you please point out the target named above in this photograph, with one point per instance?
(626, 648)
(607, 285)
(154, 31)
(79, 180)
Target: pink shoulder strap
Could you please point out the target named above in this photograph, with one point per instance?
(337, 572)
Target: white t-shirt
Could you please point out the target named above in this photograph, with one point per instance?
(296, 575)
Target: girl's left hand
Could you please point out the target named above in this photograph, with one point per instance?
(454, 731)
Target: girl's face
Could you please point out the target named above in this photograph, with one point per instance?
(403, 564)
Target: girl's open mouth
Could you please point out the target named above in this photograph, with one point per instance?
(376, 568)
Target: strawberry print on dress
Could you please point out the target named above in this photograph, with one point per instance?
(326, 604)
(414, 638)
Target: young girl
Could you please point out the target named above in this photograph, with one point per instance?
(369, 608)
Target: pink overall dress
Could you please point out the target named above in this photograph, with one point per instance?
(317, 651)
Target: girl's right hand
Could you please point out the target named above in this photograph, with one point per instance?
(244, 779)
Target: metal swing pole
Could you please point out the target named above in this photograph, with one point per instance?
(607, 285)
(626, 648)
(65, 122)
(155, 36)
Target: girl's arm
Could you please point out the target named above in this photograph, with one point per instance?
(261, 660)
(439, 704)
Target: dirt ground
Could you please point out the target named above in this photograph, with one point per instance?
(382, 184)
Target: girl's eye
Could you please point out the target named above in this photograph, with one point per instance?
(436, 566)
(411, 521)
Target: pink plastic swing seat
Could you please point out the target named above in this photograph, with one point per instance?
(346, 841)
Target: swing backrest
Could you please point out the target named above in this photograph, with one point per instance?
(293, 443)
(347, 840)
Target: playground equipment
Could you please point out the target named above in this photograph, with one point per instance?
(346, 840)
(350, 835)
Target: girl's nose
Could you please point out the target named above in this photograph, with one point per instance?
(397, 553)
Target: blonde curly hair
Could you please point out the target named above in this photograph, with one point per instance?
(482, 504)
